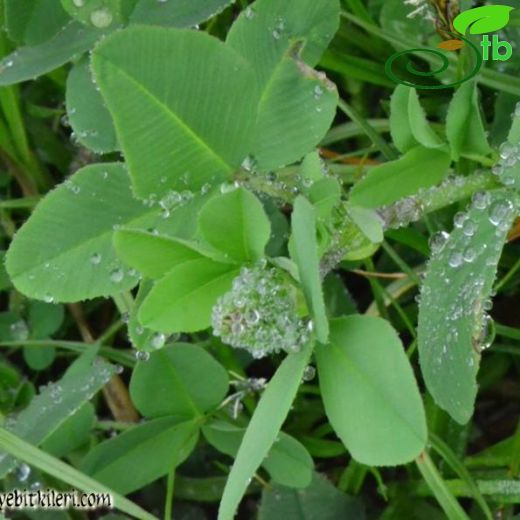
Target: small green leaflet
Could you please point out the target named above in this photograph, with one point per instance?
(395, 180)
(154, 447)
(369, 392)
(288, 462)
(408, 124)
(236, 225)
(464, 126)
(182, 301)
(181, 379)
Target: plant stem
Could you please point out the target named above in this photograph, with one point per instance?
(439, 489)
(372, 133)
(168, 503)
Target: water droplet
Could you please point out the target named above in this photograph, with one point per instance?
(48, 298)
(250, 13)
(117, 275)
(487, 333)
(438, 241)
(455, 259)
(141, 355)
(23, 472)
(95, 259)
(469, 255)
(499, 211)
(480, 199)
(19, 330)
(78, 3)
(318, 91)
(459, 219)
(309, 373)
(101, 18)
(469, 227)
(158, 340)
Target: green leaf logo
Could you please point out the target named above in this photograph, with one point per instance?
(480, 20)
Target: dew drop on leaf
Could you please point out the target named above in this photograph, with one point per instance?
(117, 275)
(101, 18)
(141, 355)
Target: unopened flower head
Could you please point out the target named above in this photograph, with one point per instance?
(259, 314)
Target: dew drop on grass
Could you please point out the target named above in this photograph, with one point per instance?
(469, 227)
(438, 241)
(23, 472)
(309, 373)
(459, 219)
(499, 212)
(48, 298)
(78, 3)
(455, 259)
(480, 200)
(95, 259)
(469, 255)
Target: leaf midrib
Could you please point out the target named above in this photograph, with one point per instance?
(169, 111)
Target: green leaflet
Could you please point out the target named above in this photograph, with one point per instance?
(177, 13)
(464, 126)
(154, 447)
(30, 62)
(453, 325)
(263, 429)
(33, 21)
(369, 391)
(182, 301)
(58, 401)
(288, 462)
(304, 252)
(408, 124)
(183, 105)
(64, 251)
(153, 255)
(86, 111)
(297, 104)
(182, 380)
(321, 499)
(236, 225)
(418, 168)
